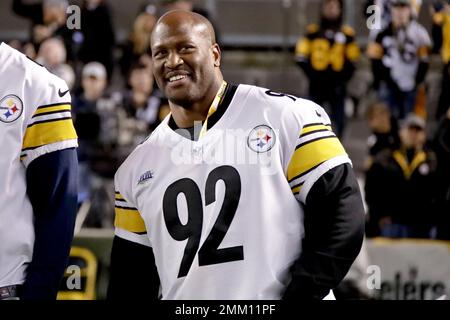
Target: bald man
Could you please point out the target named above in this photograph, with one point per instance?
(240, 193)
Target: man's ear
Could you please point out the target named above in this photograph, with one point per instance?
(217, 54)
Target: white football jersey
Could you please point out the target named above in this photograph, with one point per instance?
(35, 119)
(403, 64)
(223, 214)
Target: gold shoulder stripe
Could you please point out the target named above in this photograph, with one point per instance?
(296, 190)
(118, 196)
(52, 109)
(313, 153)
(53, 105)
(129, 220)
(47, 132)
(315, 128)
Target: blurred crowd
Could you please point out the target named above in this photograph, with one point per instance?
(407, 181)
(407, 185)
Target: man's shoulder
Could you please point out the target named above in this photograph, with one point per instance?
(42, 86)
(149, 146)
(419, 31)
(264, 97)
(286, 107)
(41, 79)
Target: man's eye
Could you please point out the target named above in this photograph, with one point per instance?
(159, 54)
(187, 49)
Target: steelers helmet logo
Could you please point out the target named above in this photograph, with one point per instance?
(261, 139)
(11, 108)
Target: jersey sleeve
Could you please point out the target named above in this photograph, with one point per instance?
(49, 126)
(128, 222)
(314, 150)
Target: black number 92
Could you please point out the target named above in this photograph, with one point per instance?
(209, 253)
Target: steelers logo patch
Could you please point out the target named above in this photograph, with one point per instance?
(11, 108)
(261, 139)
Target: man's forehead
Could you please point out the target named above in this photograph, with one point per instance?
(182, 31)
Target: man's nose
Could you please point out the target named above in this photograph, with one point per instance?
(173, 60)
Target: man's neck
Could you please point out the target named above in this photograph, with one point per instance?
(186, 116)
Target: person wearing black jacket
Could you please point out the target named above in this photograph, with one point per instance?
(244, 255)
(98, 34)
(401, 186)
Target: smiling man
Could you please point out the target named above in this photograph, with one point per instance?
(240, 193)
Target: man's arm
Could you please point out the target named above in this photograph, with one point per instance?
(52, 190)
(133, 274)
(334, 231)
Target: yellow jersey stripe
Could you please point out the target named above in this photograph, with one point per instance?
(60, 108)
(47, 132)
(313, 153)
(296, 190)
(129, 220)
(53, 105)
(315, 128)
(118, 196)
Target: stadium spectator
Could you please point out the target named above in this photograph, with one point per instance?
(441, 41)
(137, 48)
(96, 122)
(52, 55)
(384, 136)
(441, 145)
(98, 34)
(400, 59)
(384, 129)
(48, 19)
(143, 109)
(384, 10)
(327, 54)
(401, 185)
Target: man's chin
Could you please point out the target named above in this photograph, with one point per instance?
(180, 100)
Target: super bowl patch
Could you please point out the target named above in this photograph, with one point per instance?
(11, 108)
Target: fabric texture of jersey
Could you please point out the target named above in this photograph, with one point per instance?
(35, 119)
(224, 214)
